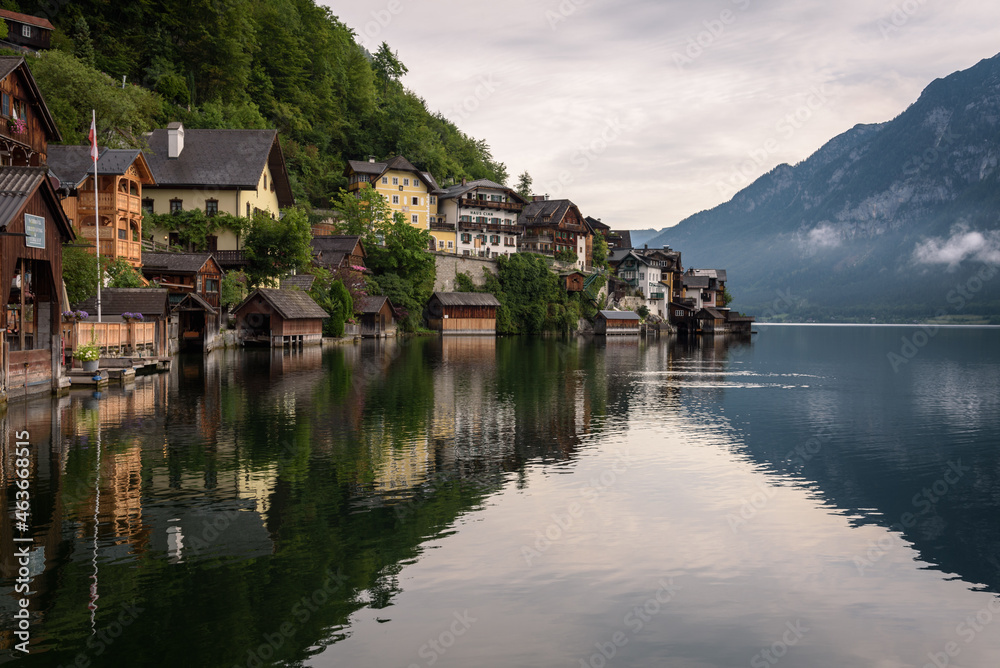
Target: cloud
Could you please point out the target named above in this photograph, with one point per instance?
(819, 238)
(962, 245)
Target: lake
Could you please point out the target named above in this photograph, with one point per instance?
(818, 496)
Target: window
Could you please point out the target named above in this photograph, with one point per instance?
(147, 205)
(415, 201)
(466, 238)
(415, 219)
(465, 219)
(495, 239)
(434, 200)
(265, 181)
(395, 199)
(416, 183)
(211, 207)
(465, 252)
(197, 287)
(450, 245)
(123, 235)
(177, 205)
(248, 209)
(6, 104)
(406, 182)
(395, 180)
(385, 180)
(508, 241)
(26, 32)
(211, 285)
(440, 244)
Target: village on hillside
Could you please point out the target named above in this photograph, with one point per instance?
(139, 215)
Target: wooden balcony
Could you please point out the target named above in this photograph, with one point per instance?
(502, 206)
(229, 259)
(471, 225)
(502, 227)
(120, 202)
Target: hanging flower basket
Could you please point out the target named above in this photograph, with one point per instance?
(132, 317)
(17, 126)
(74, 316)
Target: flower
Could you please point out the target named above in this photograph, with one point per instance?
(129, 317)
(88, 352)
(75, 315)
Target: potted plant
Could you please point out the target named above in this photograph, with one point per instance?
(132, 317)
(74, 316)
(89, 355)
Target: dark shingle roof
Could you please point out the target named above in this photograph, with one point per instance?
(151, 302)
(465, 299)
(597, 225)
(624, 236)
(620, 315)
(173, 263)
(290, 304)
(18, 184)
(72, 164)
(192, 301)
(696, 281)
(715, 315)
(220, 158)
(371, 304)
(459, 189)
(398, 163)
(330, 250)
(298, 281)
(719, 274)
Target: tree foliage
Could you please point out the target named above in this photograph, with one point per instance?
(523, 187)
(532, 298)
(276, 247)
(79, 273)
(288, 64)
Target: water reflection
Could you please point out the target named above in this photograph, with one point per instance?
(249, 490)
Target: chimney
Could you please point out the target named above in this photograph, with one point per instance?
(175, 140)
(463, 181)
(371, 159)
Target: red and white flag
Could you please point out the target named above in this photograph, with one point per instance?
(93, 136)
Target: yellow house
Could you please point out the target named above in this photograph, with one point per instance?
(237, 172)
(408, 191)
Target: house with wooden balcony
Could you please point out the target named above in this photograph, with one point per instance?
(184, 273)
(26, 126)
(239, 172)
(409, 191)
(121, 175)
(338, 251)
(554, 226)
(484, 217)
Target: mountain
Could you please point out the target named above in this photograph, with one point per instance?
(893, 221)
(640, 237)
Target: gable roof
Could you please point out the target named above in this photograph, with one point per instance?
(220, 159)
(192, 301)
(620, 315)
(115, 301)
(711, 313)
(290, 304)
(18, 184)
(534, 213)
(7, 66)
(26, 18)
(73, 164)
(597, 225)
(331, 250)
(372, 304)
(718, 274)
(298, 282)
(399, 163)
(465, 299)
(174, 263)
(624, 237)
(696, 281)
(459, 189)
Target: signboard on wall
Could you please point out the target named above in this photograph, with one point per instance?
(34, 228)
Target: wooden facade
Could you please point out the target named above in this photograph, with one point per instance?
(26, 31)
(573, 281)
(121, 175)
(617, 323)
(26, 126)
(279, 318)
(463, 313)
(184, 273)
(378, 317)
(31, 271)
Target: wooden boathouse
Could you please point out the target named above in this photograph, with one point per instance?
(279, 318)
(463, 313)
(617, 323)
(150, 336)
(378, 317)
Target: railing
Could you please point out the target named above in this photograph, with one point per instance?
(153, 246)
(130, 250)
(130, 203)
(505, 206)
(230, 258)
(111, 335)
(442, 227)
(106, 201)
(471, 225)
(503, 227)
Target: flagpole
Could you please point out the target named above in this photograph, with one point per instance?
(97, 217)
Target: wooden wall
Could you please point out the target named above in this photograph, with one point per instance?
(34, 136)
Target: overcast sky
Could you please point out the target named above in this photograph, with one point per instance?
(644, 112)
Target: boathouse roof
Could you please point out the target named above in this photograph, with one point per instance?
(620, 315)
(289, 304)
(299, 282)
(372, 304)
(115, 301)
(465, 299)
(174, 263)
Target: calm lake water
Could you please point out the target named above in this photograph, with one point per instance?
(822, 496)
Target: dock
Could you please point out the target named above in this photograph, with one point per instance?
(119, 369)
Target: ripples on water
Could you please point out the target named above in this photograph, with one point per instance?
(526, 502)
